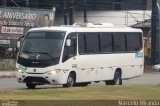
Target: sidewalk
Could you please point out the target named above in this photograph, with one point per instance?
(6, 74)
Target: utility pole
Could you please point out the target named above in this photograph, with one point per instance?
(65, 13)
(85, 11)
(27, 3)
(71, 10)
(154, 50)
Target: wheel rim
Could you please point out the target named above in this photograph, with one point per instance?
(117, 79)
(70, 81)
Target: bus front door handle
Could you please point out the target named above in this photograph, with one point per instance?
(74, 65)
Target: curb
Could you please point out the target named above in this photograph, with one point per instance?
(7, 74)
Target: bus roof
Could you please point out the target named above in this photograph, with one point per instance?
(86, 29)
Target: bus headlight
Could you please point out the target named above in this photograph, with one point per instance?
(19, 70)
(53, 72)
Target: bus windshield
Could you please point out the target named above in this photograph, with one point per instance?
(42, 46)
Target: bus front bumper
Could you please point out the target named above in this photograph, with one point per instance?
(40, 79)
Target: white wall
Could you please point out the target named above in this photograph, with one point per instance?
(118, 18)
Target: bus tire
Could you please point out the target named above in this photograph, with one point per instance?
(117, 79)
(70, 81)
(109, 82)
(81, 84)
(30, 85)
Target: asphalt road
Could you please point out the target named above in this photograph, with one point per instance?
(148, 78)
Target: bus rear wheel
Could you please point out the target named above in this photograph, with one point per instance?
(117, 79)
(70, 81)
(30, 85)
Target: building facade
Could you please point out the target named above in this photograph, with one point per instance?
(78, 4)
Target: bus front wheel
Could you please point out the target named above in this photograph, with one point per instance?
(117, 79)
(70, 81)
(30, 85)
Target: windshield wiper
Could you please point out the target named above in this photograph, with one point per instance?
(39, 53)
(44, 53)
(25, 51)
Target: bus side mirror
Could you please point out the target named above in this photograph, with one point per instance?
(19, 42)
(68, 42)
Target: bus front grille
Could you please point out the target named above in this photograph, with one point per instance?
(38, 80)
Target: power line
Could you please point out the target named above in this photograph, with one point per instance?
(15, 3)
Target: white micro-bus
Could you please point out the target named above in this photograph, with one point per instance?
(78, 55)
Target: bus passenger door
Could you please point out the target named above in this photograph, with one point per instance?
(70, 52)
(83, 71)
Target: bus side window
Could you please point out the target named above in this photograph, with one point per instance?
(134, 43)
(106, 42)
(119, 42)
(70, 51)
(92, 43)
(81, 43)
